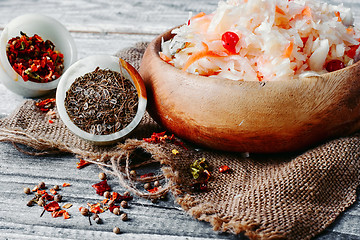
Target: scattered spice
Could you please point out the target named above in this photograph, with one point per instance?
(199, 169)
(53, 191)
(101, 187)
(116, 230)
(101, 102)
(52, 206)
(153, 190)
(56, 187)
(66, 184)
(34, 59)
(133, 173)
(82, 163)
(84, 211)
(151, 174)
(107, 194)
(124, 217)
(175, 152)
(156, 184)
(124, 204)
(224, 169)
(67, 205)
(162, 137)
(102, 176)
(58, 198)
(147, 186)
(199, 187)
(46, 105)
(116, 211)
(27, 190)
(41, 185)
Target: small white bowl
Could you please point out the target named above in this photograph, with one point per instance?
(87, 65)
(48, 29)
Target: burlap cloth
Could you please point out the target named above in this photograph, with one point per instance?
(266, 196)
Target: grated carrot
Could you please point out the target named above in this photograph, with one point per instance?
(337, 14)
(202, 54)
(164, 57)
(279, 10)
(307, 12)
(289, 50)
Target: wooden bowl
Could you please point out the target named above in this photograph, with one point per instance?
(248, 116)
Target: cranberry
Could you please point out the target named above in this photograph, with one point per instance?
(334, 65)
(229, 41)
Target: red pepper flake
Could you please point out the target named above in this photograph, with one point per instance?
(151, 174)
(66, 184)
(60, 213)
(224, 169)
(41, 192)
(82, 163)
(118, 198)
(53, 191)
(95, 208)
(101, 187)
(161, 138)
(112, 207)
(48, 197)
(46, 105)
(34, 59)
(153, 190)
(51, 121)
(53, 206)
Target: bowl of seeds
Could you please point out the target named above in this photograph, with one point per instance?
(35, 50)
(101, 99)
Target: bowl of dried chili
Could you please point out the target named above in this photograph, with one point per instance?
(101, 99)
(35, 50)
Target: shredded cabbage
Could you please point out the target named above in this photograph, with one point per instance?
(278, 40)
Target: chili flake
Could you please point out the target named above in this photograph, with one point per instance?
(67, 205)
(53, 191)
(82, 163)
(53, 206)
(66, 184)
(162, 137)
(101, 187)
(224, 169)
(151, 174)
(153, 190)
(46, 105)
(34, 59)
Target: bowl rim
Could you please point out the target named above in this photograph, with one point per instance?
(105, 61)
(155, 47)
(17, 23)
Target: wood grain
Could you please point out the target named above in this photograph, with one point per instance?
(104, 27)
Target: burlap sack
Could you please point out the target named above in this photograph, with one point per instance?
(266, 196)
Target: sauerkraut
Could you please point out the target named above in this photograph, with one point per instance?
(262, 40)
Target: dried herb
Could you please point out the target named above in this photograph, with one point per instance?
(34, 59)
(101, 187)
(101, 102)
(199, 169)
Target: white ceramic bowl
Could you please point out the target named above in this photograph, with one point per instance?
(48, 29)
(87, 65)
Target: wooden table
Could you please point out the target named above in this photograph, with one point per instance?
(104, 27)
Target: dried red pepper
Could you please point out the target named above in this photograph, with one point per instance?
(53, 206)
(66, 184)
(151, 174)
(118, 198)
(224, 169)
(161, 137)
(101, 187)
(112, 207)
(46, 105)
(34, 59)
(82, 163)
(153, 190)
